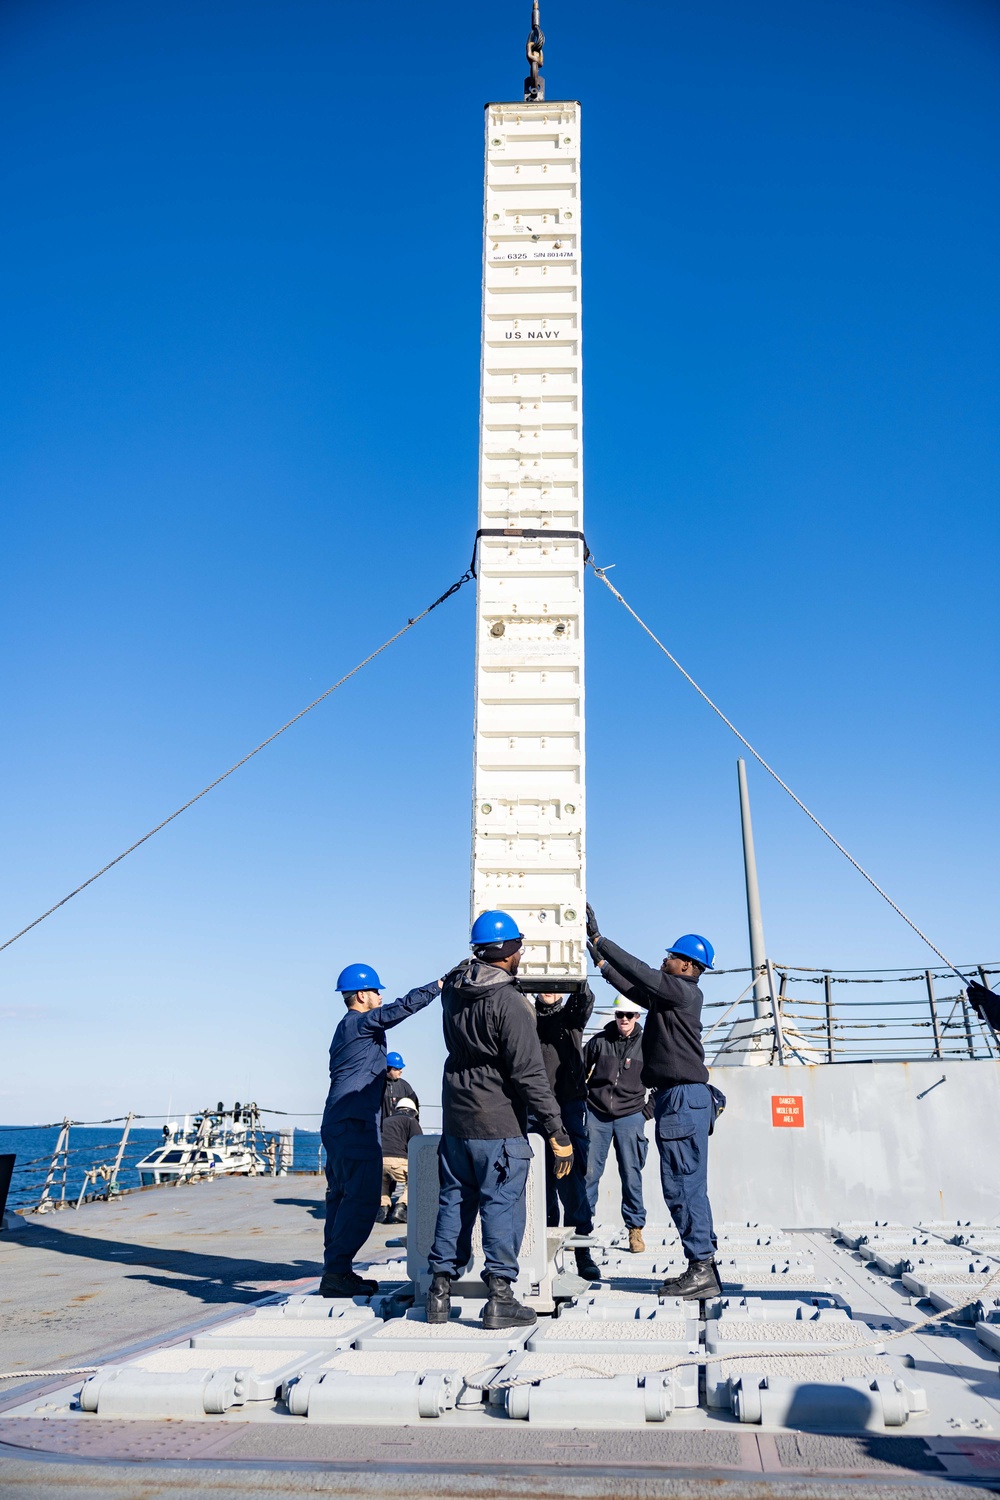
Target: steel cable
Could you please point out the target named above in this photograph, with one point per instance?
(602, 575)
(465, 578)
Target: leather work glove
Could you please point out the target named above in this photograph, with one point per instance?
(562, 1150)
(593, 931)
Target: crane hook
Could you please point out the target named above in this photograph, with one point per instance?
(534, 85)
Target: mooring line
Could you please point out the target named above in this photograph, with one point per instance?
(465, 578)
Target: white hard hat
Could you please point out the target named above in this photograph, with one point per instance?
(406, 1103)
(628, 1006)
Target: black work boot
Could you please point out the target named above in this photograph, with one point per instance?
(397, 1214)
(699, 1280)
(666, 1288)
(346, 1284)
(586, 1265)
(503, 1309)
(439, 1298)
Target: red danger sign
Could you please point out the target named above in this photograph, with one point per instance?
(786, 1109)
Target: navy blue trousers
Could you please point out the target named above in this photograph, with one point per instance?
(684, 1116)
(353, 1197)
(571, 1191)
(631, 1147)
(487, 1178)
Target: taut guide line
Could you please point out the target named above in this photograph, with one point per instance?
(467, 576)
(601, 573)
(459, 583)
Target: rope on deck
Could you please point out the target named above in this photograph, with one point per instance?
(712, 1359)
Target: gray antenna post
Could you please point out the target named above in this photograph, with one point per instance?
(755, 920)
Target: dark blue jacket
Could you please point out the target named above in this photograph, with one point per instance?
(671, 1039)
(357, 1074)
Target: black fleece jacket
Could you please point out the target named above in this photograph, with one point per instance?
(614, 1063)
(398, 1131)
(560, 1034)
(494, 1076)
(396, 1089)
(671, 1040)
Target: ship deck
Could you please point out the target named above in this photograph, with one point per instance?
(123, 1284)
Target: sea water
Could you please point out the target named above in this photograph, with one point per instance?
(92, 1146)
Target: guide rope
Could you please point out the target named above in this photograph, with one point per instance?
(466, 577)
(33, 1374)
(602, 575)
(713, 1359)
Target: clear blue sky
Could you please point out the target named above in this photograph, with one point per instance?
(241, 270)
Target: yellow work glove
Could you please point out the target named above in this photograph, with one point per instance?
(562, 1151)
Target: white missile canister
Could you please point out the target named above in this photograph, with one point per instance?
(529, 814)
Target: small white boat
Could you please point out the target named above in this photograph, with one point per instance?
(219, 1143)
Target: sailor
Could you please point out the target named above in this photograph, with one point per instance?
(617, 1111)
(351, 1121)
(561, 1020)
(494, 1078)
(396, 1086)
(684, 1105)
(398, 1130)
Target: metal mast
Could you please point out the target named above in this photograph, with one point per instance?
(529, 807)
(755, 919)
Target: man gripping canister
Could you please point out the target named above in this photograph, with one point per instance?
(685, 1105)
(494, 1077)
(561, 1020)
(351, 1122)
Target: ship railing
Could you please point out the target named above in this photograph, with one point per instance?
(807, 1015)
(820, 1016)
(46, 1183)
(72, 1173)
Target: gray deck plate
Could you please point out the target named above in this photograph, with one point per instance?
(989, 1334)
(648, 1335)
(961, 1432)
(728, 1335)
(466, 1332)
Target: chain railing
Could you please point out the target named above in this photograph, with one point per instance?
(915, 1015)
(818, 1023)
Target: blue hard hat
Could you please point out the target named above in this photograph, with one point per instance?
(693, 946)
(493, 927)
(358, 977)
(393, 1060)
